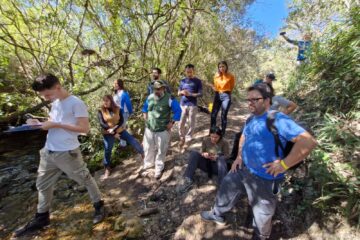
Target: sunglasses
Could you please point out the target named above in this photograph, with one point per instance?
(253, 100)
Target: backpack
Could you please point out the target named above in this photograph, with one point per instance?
(270, 120)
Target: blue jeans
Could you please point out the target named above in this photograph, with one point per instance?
(109, 141)
(223, 101)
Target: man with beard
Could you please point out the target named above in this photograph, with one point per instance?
(157, 114)
(257, 172)
(155, 76)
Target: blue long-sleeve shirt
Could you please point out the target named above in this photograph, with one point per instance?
(122, 99)
(173, 104)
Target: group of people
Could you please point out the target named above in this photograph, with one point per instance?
(254, 166)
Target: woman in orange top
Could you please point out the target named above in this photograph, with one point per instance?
(224, 83)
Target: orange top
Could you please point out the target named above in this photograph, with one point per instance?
(224, 82)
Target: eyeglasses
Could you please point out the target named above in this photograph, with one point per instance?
(253, 100)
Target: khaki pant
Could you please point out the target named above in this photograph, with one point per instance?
(155, 148)
(188, 113)
(52, 165)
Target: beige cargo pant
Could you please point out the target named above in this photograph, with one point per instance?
(52, 165)
(188, 114)
(155, 145)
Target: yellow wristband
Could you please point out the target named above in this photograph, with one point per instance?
(284, 165)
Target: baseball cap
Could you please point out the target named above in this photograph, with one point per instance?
(159, 84)
(271, 76)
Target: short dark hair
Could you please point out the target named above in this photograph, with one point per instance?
(217, 131)
(156, 69)
(44, 82)
(263, 89)
(190, 66)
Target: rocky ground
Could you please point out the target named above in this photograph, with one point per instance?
(145, 208)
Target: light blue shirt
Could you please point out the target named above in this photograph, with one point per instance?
(259, 145)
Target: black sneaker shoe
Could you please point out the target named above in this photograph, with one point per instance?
(99, 214)
(38, 222)
(186, 185)
(211, 217)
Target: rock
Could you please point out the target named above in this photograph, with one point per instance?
(127, 204)
(130, 228)
(135, 228)
(119, 224)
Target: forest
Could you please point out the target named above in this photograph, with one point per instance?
(90, 43)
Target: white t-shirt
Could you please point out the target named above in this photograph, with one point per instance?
(65, 111)
(117, 99)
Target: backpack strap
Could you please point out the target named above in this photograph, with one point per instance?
(235, 148)
(270, 124)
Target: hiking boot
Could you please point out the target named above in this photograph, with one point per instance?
(186, 185)
(99, 214)
(211, 217)
(38, 222)
(257, 237)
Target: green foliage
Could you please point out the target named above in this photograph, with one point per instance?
(329, 85)
(333, 76)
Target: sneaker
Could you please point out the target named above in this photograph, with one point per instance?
(211, 217)
(158, 174)
(186, 185)
(106, 174)
(145, 172)
(123, 143)
(38, 222)
(99, 214)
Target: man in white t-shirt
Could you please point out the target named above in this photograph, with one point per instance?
(67, 119)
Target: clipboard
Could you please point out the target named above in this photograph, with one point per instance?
(24, 128)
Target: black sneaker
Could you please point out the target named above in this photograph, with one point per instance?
(211, 217)
(186, 185)
(38, 222)
(99, 214)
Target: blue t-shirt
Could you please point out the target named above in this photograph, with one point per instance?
(192, 85)
(259, 145)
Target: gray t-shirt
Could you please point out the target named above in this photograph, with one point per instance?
(279, 102)
(65, 111)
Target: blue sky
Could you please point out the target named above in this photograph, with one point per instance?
(267, 16)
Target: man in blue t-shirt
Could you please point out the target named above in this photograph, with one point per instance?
(303, 46)
(257, 171)
(190, 89)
